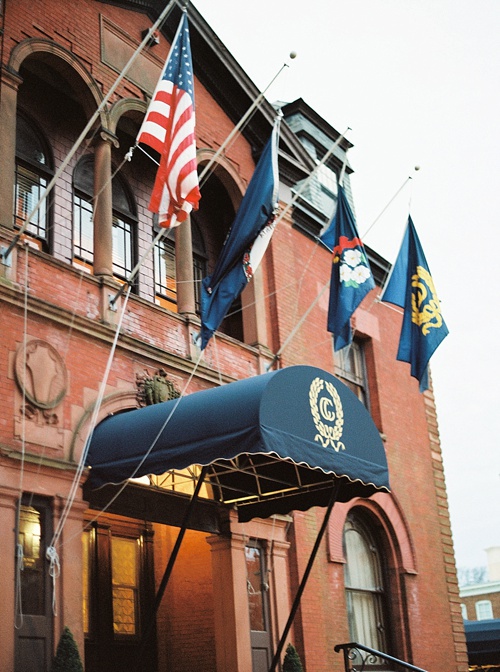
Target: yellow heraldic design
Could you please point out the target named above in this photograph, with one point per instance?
(327, 413)
(425, 306)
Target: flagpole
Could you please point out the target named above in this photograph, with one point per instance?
(388, 204)
(208, 166)
(303, 186)
(5, 253)
(243, 120)
(297, 326)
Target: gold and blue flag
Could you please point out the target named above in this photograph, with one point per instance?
(411, 287)
(351, 277)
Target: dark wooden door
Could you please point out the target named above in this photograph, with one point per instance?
(258, 603)
(118, 586)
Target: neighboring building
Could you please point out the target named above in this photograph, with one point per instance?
(481, 601)
(384, 574)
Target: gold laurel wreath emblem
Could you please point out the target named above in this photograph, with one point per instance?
(327, 434)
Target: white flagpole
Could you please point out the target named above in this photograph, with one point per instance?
(203, 174)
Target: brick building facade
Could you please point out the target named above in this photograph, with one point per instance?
(59, 61)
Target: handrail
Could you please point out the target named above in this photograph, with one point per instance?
(349, 647)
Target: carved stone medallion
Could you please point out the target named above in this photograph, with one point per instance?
(41, 374)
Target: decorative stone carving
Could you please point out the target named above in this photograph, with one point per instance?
(41, 375)
(154, 388)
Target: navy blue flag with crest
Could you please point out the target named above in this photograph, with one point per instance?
(351, 277)
(411, 287)
(246, 242)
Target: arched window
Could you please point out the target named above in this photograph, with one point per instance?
(34, 170)
(124, 221)
(364, 585)
(214, 219)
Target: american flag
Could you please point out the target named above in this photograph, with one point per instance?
(169, 128)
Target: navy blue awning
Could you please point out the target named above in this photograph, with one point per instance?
(483, 641)
(273, 443)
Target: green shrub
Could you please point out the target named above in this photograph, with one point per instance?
(67, 657)
(292, 662)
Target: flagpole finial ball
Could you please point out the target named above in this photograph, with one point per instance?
(293, 54)
(417, 167)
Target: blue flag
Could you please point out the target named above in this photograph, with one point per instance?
(351, 276)
(411, 287)
(246, 242)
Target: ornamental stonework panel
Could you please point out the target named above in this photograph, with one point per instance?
(154, 388)
(41, 377)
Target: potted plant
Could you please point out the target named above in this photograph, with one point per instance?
(292, 663)
(67, 658)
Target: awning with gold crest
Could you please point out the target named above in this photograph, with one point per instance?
(270, 444)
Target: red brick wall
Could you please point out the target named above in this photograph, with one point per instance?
(470, 602)
(64, 309)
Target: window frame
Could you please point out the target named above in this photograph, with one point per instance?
(378, 595)
(484, 610)
(38, 231)
(122, 219)
(354, 376)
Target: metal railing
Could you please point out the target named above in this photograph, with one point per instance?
(358, 658)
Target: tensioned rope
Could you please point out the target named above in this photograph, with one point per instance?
(146, 453)
(51, 551)
(204, 175)
(54, 563)
(299, 324)
(52, 555)
(289, 338)
(18, 613)
(158, 23)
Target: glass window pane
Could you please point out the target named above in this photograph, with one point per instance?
(360, 562)
(83, 229)
(364, 586)
(165, 274)
(256, 605)
(125, 581)
(350, 367)
(33, 574)
(28, 189)
(28, 143)
(86, 581)
(122, 247)
(484, 610)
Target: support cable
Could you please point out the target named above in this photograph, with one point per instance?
(158, 23)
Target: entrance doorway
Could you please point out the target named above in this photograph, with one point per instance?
(118, 595)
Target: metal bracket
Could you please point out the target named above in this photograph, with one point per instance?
(6, 255)
(112, 303)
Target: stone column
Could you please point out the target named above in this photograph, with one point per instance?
(8, 104)
(232, 620)
(254, 311)
(8, 503)
(103, 205)
(184, 269)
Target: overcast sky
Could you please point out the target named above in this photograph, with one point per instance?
(418, 83)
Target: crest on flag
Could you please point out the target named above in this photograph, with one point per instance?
(351, 277)
(169, 128)
(246, 242)
(411, 287)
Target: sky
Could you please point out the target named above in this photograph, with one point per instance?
(417, 81)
